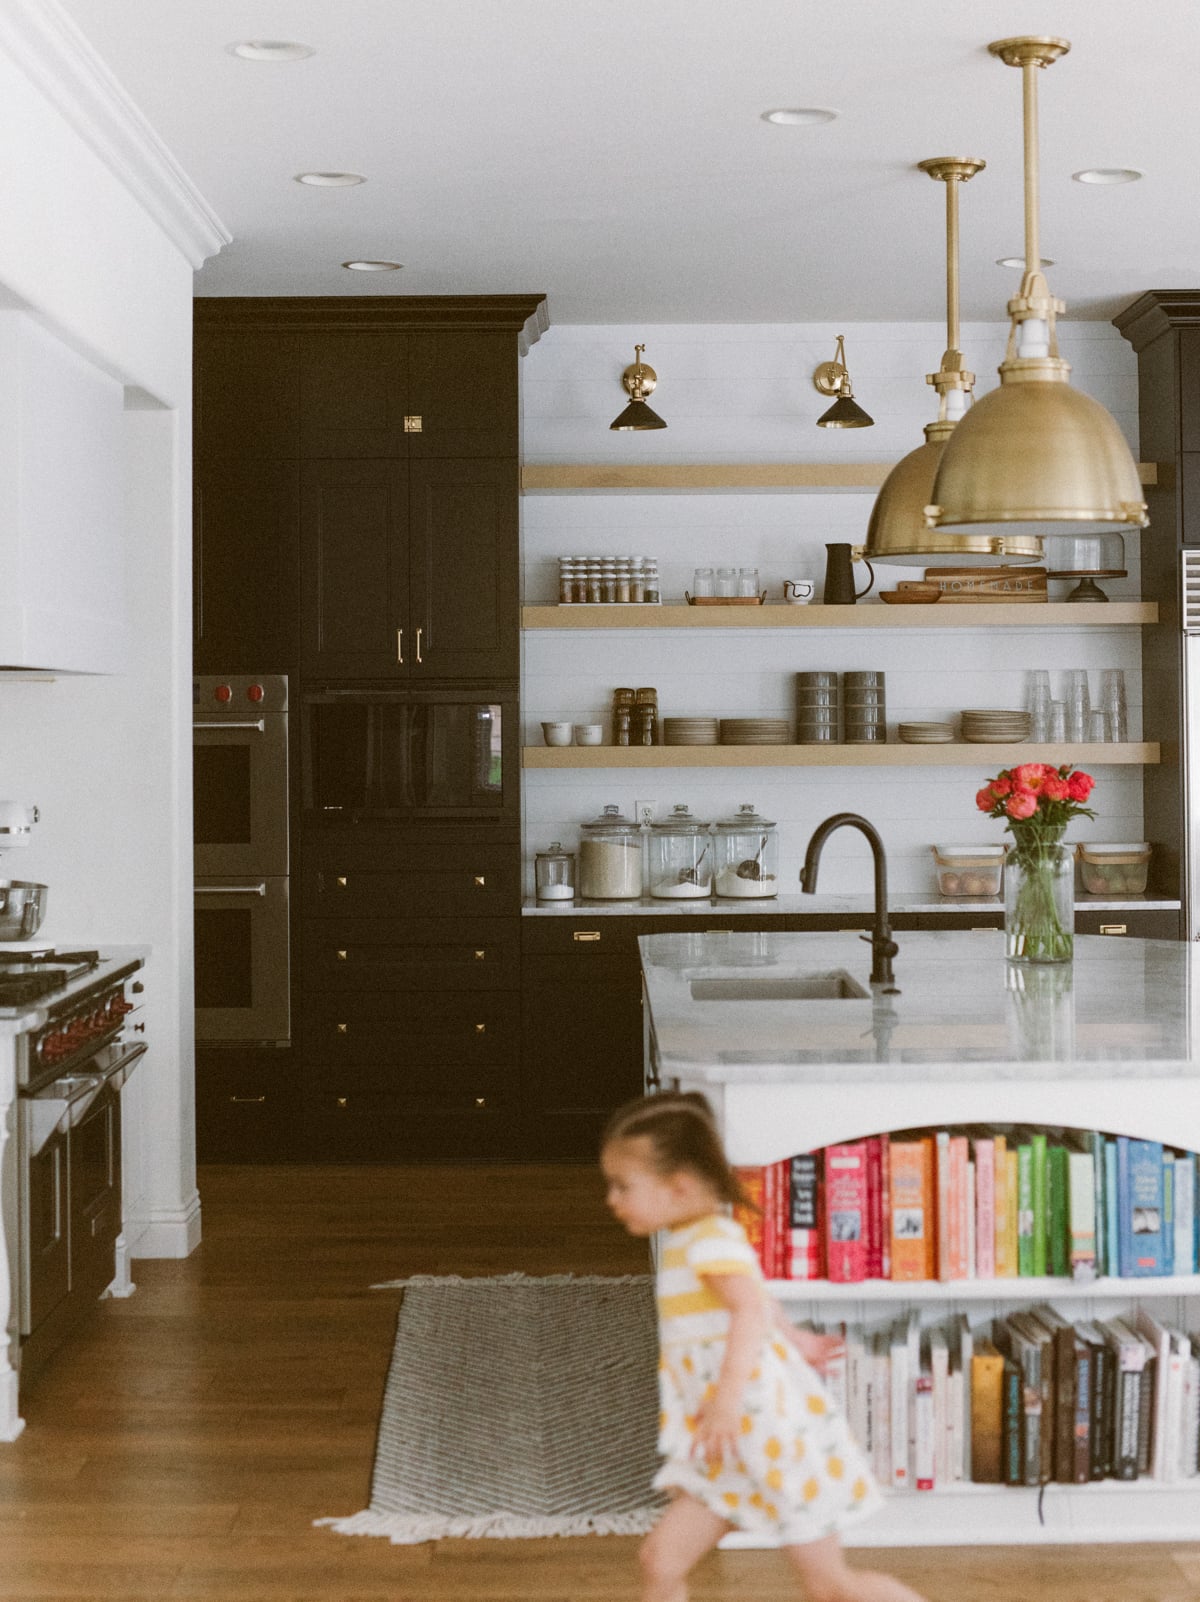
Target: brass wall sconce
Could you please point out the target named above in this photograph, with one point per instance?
(832, 378)
(639, 381)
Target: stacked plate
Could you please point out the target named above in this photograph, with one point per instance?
(996, 728)
(690, 731)
(926, 733)
(755, 731)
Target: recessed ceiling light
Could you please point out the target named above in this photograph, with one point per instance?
(330, 180)
(1019, 261)
(1108, 175)
(270, 50)
(799, 116)
(373, 266)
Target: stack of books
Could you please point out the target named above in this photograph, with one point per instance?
(977, 1203)
(1022, 1400)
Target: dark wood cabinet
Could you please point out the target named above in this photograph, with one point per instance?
(245, 540)
(247, 1104)
(410, 571)
(246, 394)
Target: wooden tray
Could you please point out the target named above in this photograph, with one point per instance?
(725, 600)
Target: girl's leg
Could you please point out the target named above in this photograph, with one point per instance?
(686, 1531)
(827, 1576)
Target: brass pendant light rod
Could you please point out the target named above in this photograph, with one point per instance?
(953, 374)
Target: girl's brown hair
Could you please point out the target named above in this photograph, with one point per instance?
(682, 1134)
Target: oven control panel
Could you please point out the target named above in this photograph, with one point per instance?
(96, 1020)
(235, 695)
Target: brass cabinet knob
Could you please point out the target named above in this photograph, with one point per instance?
(343, 1101)
(341, 881)
(480, 955)
(341, 956)
(480, 880)
(413, 424)
(481, 1101)
(343, 1029)
(481, 1029)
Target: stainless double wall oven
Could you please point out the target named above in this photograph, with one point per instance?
(240, 784)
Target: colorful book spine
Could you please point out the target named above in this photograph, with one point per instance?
(1039, 1200)
(959, 1205)
(845, 1212)
(1057, 1201)
(985, 1208)
(1000, 1267)
(806, 1260)
(912, 1248)
(1168, 1214)
(1024, 1209)
(987, 1413)
(885, 1193)
(1013, 1468)
(1185, 1214)
(942, 1194)
(873, 1253)
(750, 1217)
(1082, 1213)
(1112, 1229)
(925, 1438)
(1096, 1146)
(1012, 1213)
(1140, 1206)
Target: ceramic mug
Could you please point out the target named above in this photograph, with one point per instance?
(589, 733)
(798, 592)
(557, 733)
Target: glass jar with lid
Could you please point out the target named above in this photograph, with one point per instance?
(610, 857)
(680, 857)
(746, 855)
(554, 874)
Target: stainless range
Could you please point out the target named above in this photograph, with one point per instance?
(67, 1045)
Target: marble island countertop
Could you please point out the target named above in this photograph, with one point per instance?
(796, 903)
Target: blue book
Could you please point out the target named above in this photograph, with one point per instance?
(1185, 1214)
(1168, 1216)
(1140, 1206)
(1112, 1238)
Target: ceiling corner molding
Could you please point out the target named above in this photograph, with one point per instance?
(56, 57)
(1155, 312)
(536, 325)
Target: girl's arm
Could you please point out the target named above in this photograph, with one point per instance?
(719, 1422)
(814, 1349)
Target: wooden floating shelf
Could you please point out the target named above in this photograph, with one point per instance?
(895, 755)
(1030, 1288)
(941, 615)
(547, 477)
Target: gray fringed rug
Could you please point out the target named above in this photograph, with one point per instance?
(517, 1407)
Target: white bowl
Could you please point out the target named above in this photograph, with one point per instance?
(589, 733)
(557, 733)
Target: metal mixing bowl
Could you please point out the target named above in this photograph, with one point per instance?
(22, 908)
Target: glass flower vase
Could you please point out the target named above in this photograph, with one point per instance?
(1039, 898)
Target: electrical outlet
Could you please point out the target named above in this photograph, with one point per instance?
(645, 811)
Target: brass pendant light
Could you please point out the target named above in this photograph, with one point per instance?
(639, 381)
(1035, 454)
(898, 530)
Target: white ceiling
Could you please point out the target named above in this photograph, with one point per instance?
(611, 152)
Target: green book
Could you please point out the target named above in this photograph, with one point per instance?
(1037, 1142)
(1024, 1210)
(1057, 1210)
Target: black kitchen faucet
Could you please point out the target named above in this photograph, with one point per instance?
(883, 947)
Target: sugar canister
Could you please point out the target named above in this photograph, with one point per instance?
(554, 872)
(747, 855)
(680, 857)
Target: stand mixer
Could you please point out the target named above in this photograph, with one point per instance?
(22, 903)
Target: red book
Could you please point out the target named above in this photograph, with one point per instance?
(985, 1209)
(751, 1218)
(959, 1146)
(874, 1241)
(806, 1258)
(846, 1212)
(783, 1209)
(885, 1206)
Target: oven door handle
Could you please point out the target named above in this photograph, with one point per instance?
(259, 888)
(116, 1072)
(258, 724)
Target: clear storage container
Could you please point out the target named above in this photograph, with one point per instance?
(680, 857)
(610, 858)
(1114, 870)
(554, 873)
(970, 870)
(746, 856)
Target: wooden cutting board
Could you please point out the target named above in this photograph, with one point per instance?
(988, 583)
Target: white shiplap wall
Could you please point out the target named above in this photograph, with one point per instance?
(735, 393)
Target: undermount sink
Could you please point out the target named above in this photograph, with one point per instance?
(833, 985)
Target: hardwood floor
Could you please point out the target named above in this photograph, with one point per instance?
(181, 1449)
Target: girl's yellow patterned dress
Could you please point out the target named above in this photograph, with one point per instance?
(798, 1474)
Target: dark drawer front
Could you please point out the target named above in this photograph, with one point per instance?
(247, 1106)
(355, 1125)
(415, 1033)
(479, 881)
(617, 934)
(363, 1092)
(1153, 925)
(430, 954)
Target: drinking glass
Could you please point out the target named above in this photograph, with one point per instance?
(702, 581)
(1037, 700)
(1056, 727)
(1113, 705)
(1097, 727)
(727, 581)
(747, 583)
(1078, 705)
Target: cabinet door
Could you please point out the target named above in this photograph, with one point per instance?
(245, 534)
(354, 570)
(581, 1049)
(246, 385)
(95, 1148)
(463, 385)
(48, 1232)
(465, 611)
(352, 395)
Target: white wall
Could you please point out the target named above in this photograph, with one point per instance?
(734, 393)
(100, 240)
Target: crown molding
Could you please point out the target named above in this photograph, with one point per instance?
(1155, 313)
(528, 316)
(59, 61)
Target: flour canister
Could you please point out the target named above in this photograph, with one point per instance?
(610, 857)
(680, 857)
(747, 855)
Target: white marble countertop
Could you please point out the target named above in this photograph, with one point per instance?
(32, 1014)
(1121, 1010)
(797, 903)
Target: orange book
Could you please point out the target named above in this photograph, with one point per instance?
(911, 1209)
(753, 1182)
(958, 1206)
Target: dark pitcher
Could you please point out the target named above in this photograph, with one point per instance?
(839, 577)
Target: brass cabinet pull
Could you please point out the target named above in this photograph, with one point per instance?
(586, 936)
(341, 956)
(341, 881)
(480, 880)
(1114, 928)
(400, 646)
(481, 1029)
(413, 424)
(419, 633)
(343, 1029)
(481, 1101)
(343, 1101)
(480, 955)
(253, 1101)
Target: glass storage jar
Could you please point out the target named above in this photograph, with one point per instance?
(610, 857)
(680, 857)
(554, 874)
(746, 855)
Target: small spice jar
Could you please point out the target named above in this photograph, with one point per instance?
(610, 857)
(554, 874)
(680, 857)
(746, 856)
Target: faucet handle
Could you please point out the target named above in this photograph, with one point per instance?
(882, 948)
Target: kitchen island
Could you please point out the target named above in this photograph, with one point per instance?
(784, 1036)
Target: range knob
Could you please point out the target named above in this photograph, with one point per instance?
(255, 693)
(223, 693)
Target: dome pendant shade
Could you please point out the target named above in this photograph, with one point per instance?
(1037, 455)
(845, 413)
(636, 416)
(898, 531)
